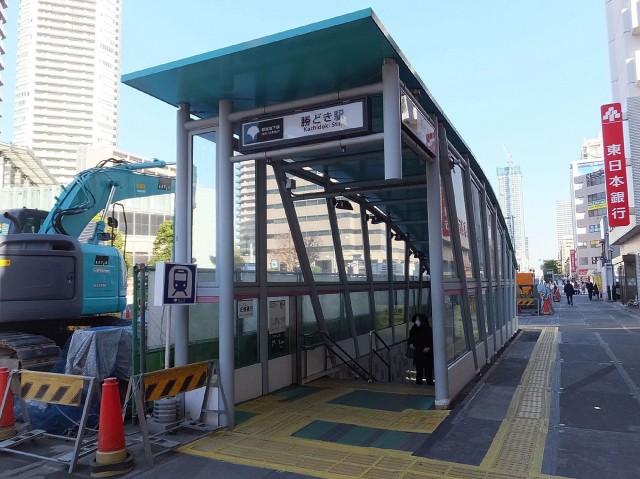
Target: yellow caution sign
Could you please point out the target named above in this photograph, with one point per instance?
(51, 387)
(5, 262)
(174, 381)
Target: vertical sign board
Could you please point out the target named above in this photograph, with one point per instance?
(572, 254)
(615, 165)
(175, 283)
(277, 325)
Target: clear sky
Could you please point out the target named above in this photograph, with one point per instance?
(527, 77)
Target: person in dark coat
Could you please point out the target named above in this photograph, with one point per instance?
(590, 289)
(421, 342)
(568, 291)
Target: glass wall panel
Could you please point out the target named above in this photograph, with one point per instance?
(350, 230)
(448, 259)
(487, 313)
(244, 260)
(282, 258)
(204, 245)
(361, 313)
(398, 258)
(414, 268)
(398, 309)
(473, 306)
(500, 239)
(477, 217)
(457, 176)
(490, 264)
(456, 344)
(203, 331)
(378, 247)
(309, 323)
(246, 332)
(382, 309)
(335, 316)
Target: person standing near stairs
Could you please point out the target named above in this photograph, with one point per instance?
(421, 342)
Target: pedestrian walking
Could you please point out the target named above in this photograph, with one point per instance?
(589, 287)
(596, 291)
(568, 291)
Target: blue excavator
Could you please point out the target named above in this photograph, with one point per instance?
(60, 267)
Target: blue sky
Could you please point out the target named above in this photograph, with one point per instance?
(528, 77)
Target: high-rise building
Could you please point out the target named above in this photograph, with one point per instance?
(510, 199)
(623, 26)
(589, 205)
(564, 228)
(3, 35)
(67, 79)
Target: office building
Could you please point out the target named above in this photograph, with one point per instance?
(67, 79)
(623, 26)
(510, 199)
(564, 228)
(589, 205)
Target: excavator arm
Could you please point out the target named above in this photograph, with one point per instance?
(96, 189)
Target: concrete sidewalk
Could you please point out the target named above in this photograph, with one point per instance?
(561, 400)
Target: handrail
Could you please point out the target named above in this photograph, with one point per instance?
(373, 333)
(341, 355)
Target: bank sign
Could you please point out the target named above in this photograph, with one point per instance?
(335, 120)
(615, 165)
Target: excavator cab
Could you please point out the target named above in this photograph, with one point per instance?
(21, 220)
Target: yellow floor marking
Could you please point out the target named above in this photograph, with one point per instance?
(266, 439)
(518, 447)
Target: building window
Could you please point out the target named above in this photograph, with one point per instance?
(595, 178)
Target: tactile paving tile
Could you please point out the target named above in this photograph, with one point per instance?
(265, 440)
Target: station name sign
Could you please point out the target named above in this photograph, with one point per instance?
(335, 120)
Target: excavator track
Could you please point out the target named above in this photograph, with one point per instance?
(27, 351)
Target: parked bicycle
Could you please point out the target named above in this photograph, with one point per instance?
(633, 303)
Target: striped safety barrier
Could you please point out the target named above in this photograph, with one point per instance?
(51, 388)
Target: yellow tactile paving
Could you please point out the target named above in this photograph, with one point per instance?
(519, 443)
(266, 439)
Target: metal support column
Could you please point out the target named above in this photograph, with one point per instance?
(489, 267)
(475, 256)
(224, 260)
(182, 231)
(261, 271)
(391, 119)
(342, 273)
(434, 214)
(367, 266)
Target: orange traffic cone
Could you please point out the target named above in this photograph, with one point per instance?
(7, 420)
(112, 457)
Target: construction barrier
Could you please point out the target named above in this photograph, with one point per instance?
(527, 306)
(168, 383)
(51, 388)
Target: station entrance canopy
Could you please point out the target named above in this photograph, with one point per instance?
(321, 61)
(337, 104)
